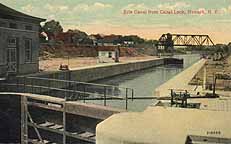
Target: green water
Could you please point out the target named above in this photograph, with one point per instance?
(145, 81)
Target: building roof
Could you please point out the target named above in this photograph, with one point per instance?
(9, 13)
(106, 48)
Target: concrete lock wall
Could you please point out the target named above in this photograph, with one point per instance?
(100, 72)
(92, 74)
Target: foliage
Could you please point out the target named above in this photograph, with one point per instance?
(134, 38)
(51, 28)
(42, 37)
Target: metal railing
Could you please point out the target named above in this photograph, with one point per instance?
(71, 90)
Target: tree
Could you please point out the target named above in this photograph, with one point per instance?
(136, 39)
(51, 28)
(42, 37)
(80, 37)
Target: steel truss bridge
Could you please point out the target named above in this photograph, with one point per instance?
(170, 40)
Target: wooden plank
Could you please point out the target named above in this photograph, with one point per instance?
(56, 126)
(47, 124)
(86, 134)
(60, 132)
(44, 106)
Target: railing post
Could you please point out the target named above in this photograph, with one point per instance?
(182, 100)
(40, 85)
(64, 121)
(132, 94)
(172, 95)
(75, 90)
(126, 98)
(105, 96)
(32, 85)
(214, 85)
(24, 84)
(69, 89)
(49, 87)
(17, 79)
(84, 92)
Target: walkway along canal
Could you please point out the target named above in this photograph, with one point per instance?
(145, 81)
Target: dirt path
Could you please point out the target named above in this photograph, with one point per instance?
(54, 63)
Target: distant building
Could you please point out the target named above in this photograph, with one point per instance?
(106, 53)
(129, 43)
(19, 42)
(110, 40)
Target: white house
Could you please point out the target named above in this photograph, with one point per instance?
(106, 54)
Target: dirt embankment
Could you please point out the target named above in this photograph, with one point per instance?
(51, 57)
(214, 67)
(62, 51)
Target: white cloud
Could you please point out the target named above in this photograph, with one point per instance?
(177, 5)
(51, 17)
(92, 7)
(142, 6)
(27, 8)
(226, 10)
(81, 7)
(56, 8)
(223, 21)
(132, 6)
(101, 5)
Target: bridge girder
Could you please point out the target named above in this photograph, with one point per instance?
(170, 40)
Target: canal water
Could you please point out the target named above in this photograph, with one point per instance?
(145, 81)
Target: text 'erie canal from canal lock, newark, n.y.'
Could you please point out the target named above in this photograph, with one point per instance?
(145, 81)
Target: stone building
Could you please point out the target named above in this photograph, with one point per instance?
(19, 42)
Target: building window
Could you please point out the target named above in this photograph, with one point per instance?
(28, 27)
(28, 50)
(12, 42)
(3, 24)
(13, 25)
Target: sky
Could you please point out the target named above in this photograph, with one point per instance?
(108, 17)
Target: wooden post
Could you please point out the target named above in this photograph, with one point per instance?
(214, 85)
(132, 94)
(23, 133)
(24, 79)
(24, 120)
(126, 98)
(64, 121)
(172, 95)
(105, 96)
(204, 78)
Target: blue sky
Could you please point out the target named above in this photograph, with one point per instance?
(106, 16)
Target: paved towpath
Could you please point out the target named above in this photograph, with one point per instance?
(181, 81)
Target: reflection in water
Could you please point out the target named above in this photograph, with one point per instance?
(145, 81)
